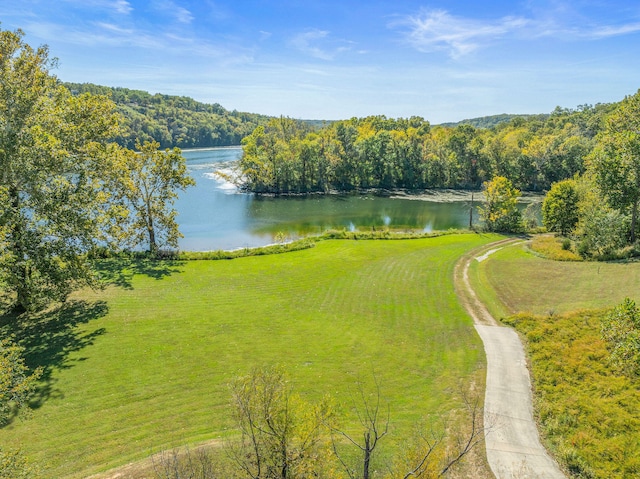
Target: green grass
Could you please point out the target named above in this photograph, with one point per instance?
(514, 279)
(589, 416)
(145, 365)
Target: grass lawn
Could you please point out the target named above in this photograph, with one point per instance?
(145, 365)
(514, 280)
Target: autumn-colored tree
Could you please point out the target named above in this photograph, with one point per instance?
(500, 211)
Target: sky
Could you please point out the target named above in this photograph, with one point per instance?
(337, 59)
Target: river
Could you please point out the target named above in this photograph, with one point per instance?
(214, 215)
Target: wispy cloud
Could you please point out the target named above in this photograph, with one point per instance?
(180, 14)
(314, 43)
(437, 30)
(614, 31)
(118, 6)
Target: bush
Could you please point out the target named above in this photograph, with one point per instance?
(554, 248)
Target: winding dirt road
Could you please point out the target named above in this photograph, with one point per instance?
(513, 446)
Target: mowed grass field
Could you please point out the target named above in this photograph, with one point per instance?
(514, 279)
(145, 364)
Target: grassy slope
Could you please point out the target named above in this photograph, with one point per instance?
(152, 371)
(590, 416)
(525, 282)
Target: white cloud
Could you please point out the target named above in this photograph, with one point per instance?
(122, 7)
(308, 43)
(614, 31)
(180, 14)
(434, 30)
(438, 30)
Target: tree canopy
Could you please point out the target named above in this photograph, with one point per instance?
(63, 188)
(145, 183)
(52, 147)
(384, 153)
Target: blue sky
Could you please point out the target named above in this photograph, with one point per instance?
(335, 59)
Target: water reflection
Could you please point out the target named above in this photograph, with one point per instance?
(214, 215)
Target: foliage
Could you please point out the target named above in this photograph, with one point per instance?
(146, 182)
(15, 383)
(621, 331)
(616, 160)
(385, 153)
(553, 248)
(52, 147)
(282, 436)
(560, 207)
(500, 210)
(173, 120)
(492, 120)
(14, 465)
(590, 416)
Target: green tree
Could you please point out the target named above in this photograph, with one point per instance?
(601, 230)
(616, 160)
(52, 149)
(500, 211)
(560, 207)
(16, 385)
(621, 331)
(14, 465)
(146, 182)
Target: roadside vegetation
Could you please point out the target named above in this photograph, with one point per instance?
(587, 407)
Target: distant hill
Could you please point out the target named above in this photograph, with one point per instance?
(174, 120)
(492, 120)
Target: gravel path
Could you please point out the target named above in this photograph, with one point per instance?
(513, 446)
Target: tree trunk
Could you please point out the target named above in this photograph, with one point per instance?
(367, 455)
(153, 248)
(20, 270)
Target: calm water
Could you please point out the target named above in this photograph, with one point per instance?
(214, 215)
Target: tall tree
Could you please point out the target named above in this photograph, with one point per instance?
(52, 147)
(146, 182)
(616, 160)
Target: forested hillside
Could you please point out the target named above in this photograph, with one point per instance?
(173, 120)
(378, 152)
(491, 120)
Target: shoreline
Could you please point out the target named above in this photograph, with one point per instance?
(445, 195)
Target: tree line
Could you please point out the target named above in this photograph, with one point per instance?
(172, 121)
(597, 212)
(285, 156)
